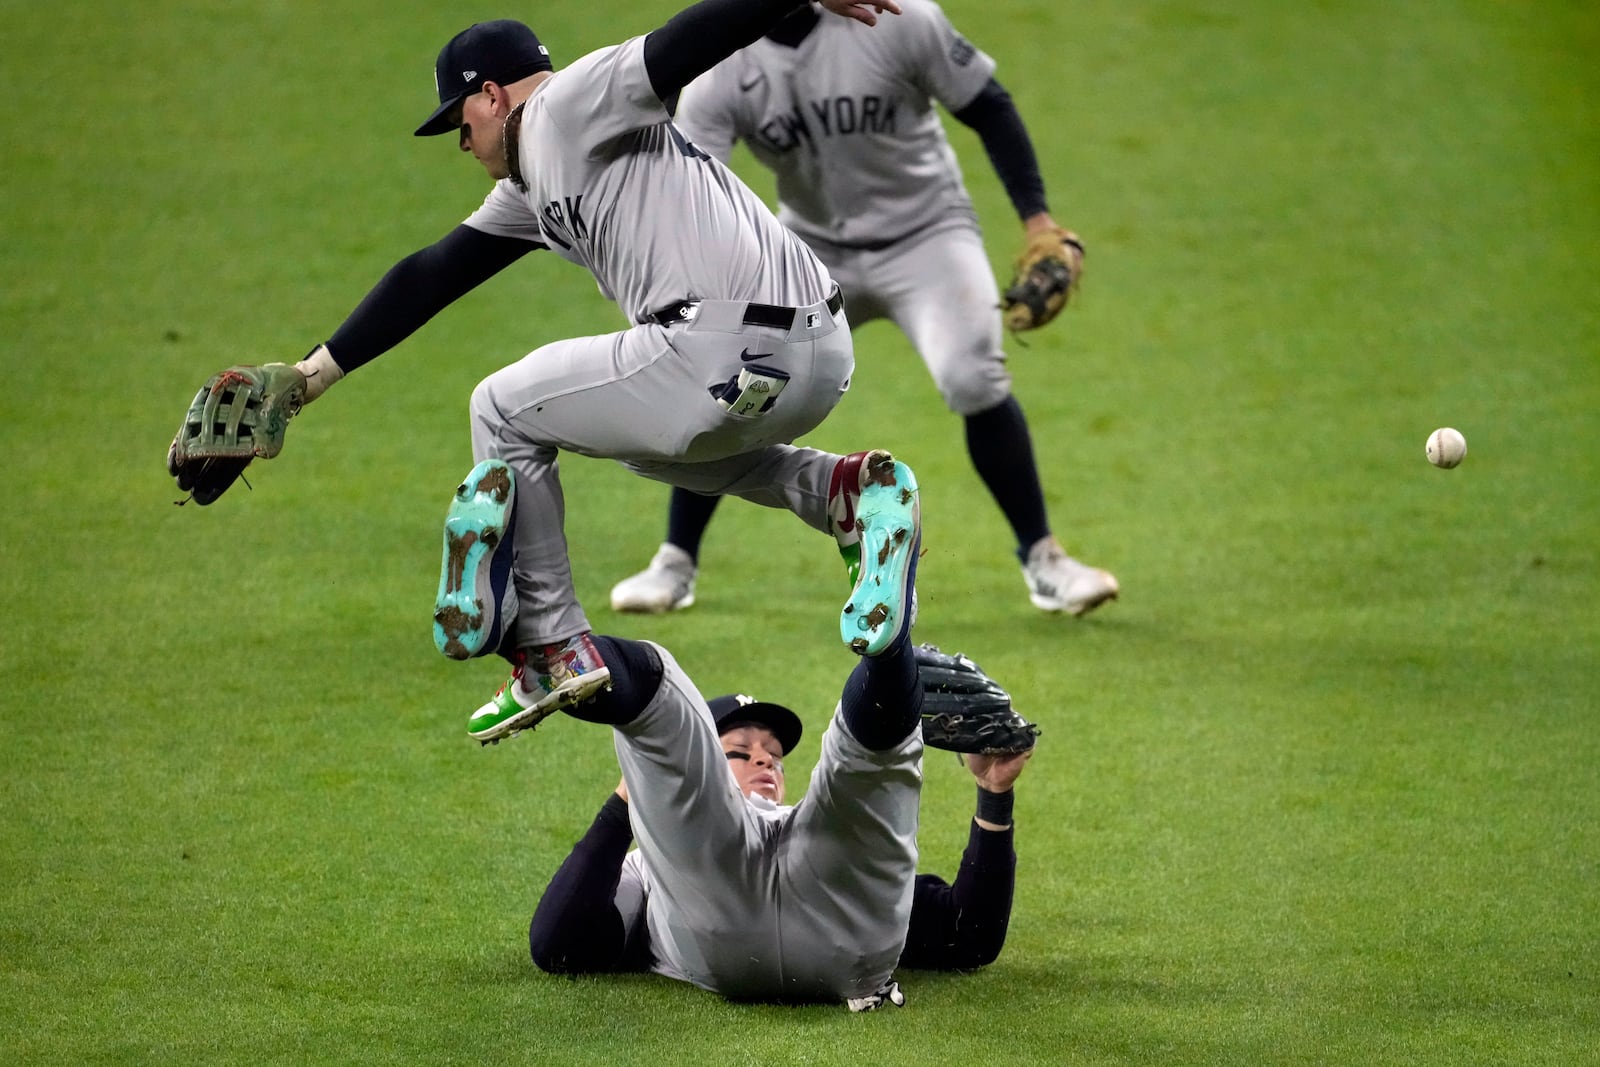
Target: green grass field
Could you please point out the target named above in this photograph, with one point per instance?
(1320, 789)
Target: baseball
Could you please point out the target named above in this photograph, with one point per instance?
(1446, 447)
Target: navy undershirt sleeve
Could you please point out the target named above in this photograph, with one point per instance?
(577, 928)
(699, 37)
(419, 287)
(993, 116)
(962, 926)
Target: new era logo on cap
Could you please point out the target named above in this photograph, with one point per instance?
(468, 75)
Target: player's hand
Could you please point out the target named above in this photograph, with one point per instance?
(998, 773)
(862, 10)
(622, 790)
(1045, 276)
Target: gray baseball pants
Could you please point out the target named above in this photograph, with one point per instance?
(644, 396)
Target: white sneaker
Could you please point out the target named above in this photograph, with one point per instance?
(666, 585)
(1057, 582)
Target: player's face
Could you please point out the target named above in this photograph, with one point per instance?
(756, 759)
(481, 125)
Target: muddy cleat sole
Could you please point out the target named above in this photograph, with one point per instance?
(888, 520)
(477, 600)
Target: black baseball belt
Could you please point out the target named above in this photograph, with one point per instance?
(774, 315)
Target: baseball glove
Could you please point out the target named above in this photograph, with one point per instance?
(965, 710)
(1046, 276)
(237, 415)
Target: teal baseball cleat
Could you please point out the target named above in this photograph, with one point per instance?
(888, 521)
(477, 599)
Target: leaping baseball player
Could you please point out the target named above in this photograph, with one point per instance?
(738, 342)
(845, 117)
(742, 895)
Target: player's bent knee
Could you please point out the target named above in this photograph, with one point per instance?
(973, 396)
(482, 407)
(974, 402)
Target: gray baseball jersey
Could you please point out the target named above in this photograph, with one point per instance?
(848, 124)
(707, 389)
(613, 187)
(754, 900)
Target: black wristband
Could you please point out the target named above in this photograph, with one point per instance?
(995, 807)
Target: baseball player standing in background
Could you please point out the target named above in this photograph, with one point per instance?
(739, 894)
(846, 120)
(739, 343)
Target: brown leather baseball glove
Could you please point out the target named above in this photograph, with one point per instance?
(1047, 274)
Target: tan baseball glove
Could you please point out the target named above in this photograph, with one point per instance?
(1047, 273)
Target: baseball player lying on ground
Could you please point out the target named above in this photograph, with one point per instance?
(738, 345)
(736, 892)
(846, 119)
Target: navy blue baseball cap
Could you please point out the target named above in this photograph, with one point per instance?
(738, 709)
(502, 51)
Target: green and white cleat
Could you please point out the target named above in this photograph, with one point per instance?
(548, 679)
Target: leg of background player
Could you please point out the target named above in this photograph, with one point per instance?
(937, 291)
(667, 584)
(1002, 453)
(688, 515)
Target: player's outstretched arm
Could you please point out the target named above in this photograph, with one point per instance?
(1050, 267)
(962, 925)
(703, 35)
(241, 414)
(419, 287)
